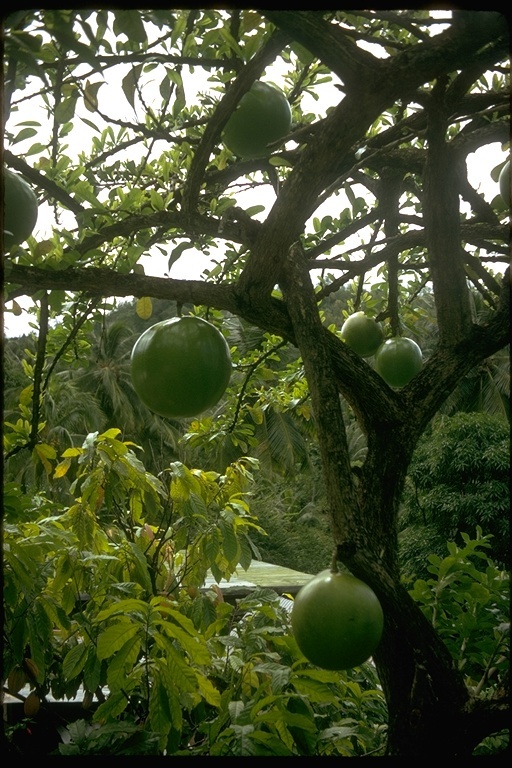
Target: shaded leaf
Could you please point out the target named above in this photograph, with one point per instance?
(91, 95)
(129, 84)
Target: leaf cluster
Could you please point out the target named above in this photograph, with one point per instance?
(458, 480)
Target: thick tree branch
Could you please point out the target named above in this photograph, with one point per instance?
(485, 717)
(347, 526)
(442, 227)
(321, 162)
(476, 37)
(372, 401)
(37, 178)
(330, 43)
(106, 282)
(196, 224)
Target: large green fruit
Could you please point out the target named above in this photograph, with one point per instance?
(181, 366)
(504, 182)
(262, 116)
(362, 334)
(398, 360)
(20, 209)
(337, 620)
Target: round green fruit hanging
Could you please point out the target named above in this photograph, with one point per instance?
(398, 360)
(504, 184)
(362, 334)
(337, 620)
(181, 367)
(20, 209)
(263, 116)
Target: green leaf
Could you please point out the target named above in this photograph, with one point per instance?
(192, 645)
(129, 23)
(71, 452)
(90, 124)
(91, 95)
(177, 252)
(129, 84)
(74, 661)
(305, 57)
(208, 690)
(183, 676)
(254, 209)
(179, 100)
(123, 608)
(112, 707)
(229, 542)
(114, 638)
(163, 673)
(337, 732)
(157, 201)
(122, 663)
(159, 706)
(65, 111)
(26, 133)
(61, 468)
(92, 670)
(35, 149)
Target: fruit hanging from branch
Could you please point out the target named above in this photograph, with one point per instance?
(181, 367)
(398, 360)
(337, 620)
(362, 334)
(20, 209)
(504, 184)
(262, 117)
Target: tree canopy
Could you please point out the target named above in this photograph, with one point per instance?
(367, 198)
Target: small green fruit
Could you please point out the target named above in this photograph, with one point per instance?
(362, 334)
(20, 209)
(262, 117)
(337, 620)
(504, 184)
(398, 360)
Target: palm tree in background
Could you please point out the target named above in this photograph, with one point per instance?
(107, 379)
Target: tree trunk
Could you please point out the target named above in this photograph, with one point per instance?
(424, 692)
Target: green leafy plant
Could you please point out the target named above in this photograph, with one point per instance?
(467, 600)
(458, 479)
(116, 738)
(92, 592)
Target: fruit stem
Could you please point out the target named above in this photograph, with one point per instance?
(334, 561)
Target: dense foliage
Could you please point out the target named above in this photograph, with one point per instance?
(115, 605)
(114, 515)
(459, 479)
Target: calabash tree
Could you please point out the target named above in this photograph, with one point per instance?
(370, 186)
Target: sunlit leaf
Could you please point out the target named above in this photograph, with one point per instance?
(114, 638)
(144, 307)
